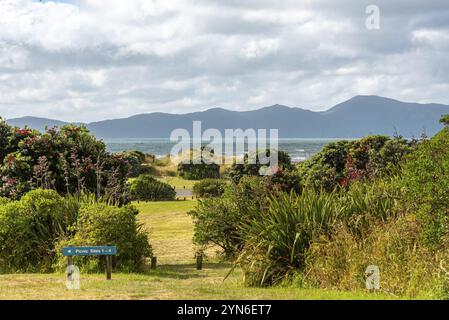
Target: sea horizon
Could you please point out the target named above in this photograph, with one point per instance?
(299, 149)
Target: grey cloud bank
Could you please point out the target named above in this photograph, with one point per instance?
(88, 60)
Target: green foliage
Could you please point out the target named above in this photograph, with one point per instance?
(344, 162)
(209, 188)
(277, 238)
(425, 182)
(198, 171)
(253, 168)
(407, 267)
(29, 229)
(4, 200)
(146, 188)
(69, 160)
(217, 220)
(136, 160)
(34, 228)
(445, 120)
(102, 224)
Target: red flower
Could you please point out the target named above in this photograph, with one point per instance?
(24, 132)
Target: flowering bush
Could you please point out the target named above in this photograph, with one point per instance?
(69, 160)
(344, 162)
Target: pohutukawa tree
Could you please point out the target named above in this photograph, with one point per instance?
(69, 160)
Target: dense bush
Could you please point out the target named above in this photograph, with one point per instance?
(29, 229)
(248, 168)
(277, 238)
(101, 224)
(135, 160)
(139, 163)
(198, 171)
(34, 228)
(425, 182)
(209, 188)
(344, 162)
(69, 160)
(146, 188)
(217, 220)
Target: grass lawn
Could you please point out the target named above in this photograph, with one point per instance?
(178, 183)
(176, 278)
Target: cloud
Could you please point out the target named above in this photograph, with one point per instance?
(86, 60)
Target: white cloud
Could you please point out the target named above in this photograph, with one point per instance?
(260, 48)
(93, 59)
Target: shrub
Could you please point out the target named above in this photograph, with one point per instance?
(101, 224)
(29, 229)
(193, 171)
(69, 160)
(247, 168)
(217, 220)
(344, 162)
(146, 188)
(277, 238)
(34, 229)
(425, 181)
(209, 188)
(135, 161)
(3, 201)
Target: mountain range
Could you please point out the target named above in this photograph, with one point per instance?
(356, 117)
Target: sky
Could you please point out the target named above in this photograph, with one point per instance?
(88, 60)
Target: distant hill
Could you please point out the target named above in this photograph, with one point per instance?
(36, 123)
(354, 118)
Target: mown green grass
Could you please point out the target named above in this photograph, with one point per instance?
(178, 183)
(171, 231)
(169, 282)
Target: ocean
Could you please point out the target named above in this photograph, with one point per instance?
(299, 149)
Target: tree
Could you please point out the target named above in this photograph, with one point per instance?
(248, 168)
(68, 160)
(445, 120)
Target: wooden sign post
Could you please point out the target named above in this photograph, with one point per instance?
(107, 251)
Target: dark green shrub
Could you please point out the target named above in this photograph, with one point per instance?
(239, 170)
(344, 162)
(217, 220)
(209, 188)
(192, 171)
(277, 237)
(100, 224)
(146, 188)
(135, 163)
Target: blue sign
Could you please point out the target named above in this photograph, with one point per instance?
(89, 251)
